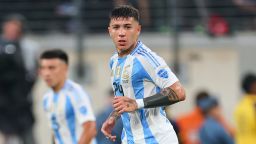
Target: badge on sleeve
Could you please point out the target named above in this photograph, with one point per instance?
(83, 110)
(162, 73)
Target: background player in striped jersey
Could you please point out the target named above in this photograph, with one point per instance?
(66, 104)
(143, 85)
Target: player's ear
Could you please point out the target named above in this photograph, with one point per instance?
(109, 31)
(138, 29)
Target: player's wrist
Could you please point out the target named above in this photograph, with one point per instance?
(114, 115)
(140, 103)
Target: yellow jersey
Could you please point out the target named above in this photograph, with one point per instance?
(245, 118)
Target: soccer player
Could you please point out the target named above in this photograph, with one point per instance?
(143, 84)
(66, 104)
(245, 112)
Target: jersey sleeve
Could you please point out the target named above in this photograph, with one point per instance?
(111, 61)
(157, 69)
(82, 106)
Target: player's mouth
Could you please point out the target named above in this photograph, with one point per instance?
(48, 81)
(121, 42)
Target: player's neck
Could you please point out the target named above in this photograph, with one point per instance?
(59, 86)
(123, 53)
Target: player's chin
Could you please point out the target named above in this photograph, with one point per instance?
(51, 84)
(122, 47)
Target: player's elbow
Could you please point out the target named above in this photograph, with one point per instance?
(90, 129)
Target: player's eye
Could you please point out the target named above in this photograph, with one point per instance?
(127, 27)
(51, 67)
(115, 27)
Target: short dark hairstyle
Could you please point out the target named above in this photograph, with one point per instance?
(248, 80)
(125, 11)
(55, 53)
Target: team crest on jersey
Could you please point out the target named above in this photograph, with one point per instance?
(162, 73)
(125, 75)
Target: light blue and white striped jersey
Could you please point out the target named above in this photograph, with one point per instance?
(67, 110)
(141, 74)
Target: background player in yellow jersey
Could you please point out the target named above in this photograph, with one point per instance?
(245, 112)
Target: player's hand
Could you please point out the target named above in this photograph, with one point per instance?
(107, 128)
(124, 104)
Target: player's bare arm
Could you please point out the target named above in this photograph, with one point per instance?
(109, 124)
(167, 96)
(114, 115)
(89, 132)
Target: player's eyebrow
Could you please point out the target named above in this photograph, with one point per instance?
(115, 25)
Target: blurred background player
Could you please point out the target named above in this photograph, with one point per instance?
(212, 131)
(190, 123)
(102, 117)
(17, 77)
(143, 83)
(245, 112)
(66, 104)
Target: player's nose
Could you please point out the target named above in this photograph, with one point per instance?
(121, 33)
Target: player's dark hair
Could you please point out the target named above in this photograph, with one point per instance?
(55, 53)
(125, 11)
(248, 80)
(200, 96)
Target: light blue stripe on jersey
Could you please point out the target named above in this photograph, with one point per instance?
(45, 103)
(55, 98)
(71, 121)
(158, 89)
(138, 87)
(123, 134)
(126, 123)
(125, 117)
(55, 124)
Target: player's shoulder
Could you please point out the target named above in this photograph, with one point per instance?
(46, 97)
(145, 55)
(112, 59)
(72, 86)
(47, 94)
(75, 90)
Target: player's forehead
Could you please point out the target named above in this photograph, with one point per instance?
(51, 62)
(122, 20)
